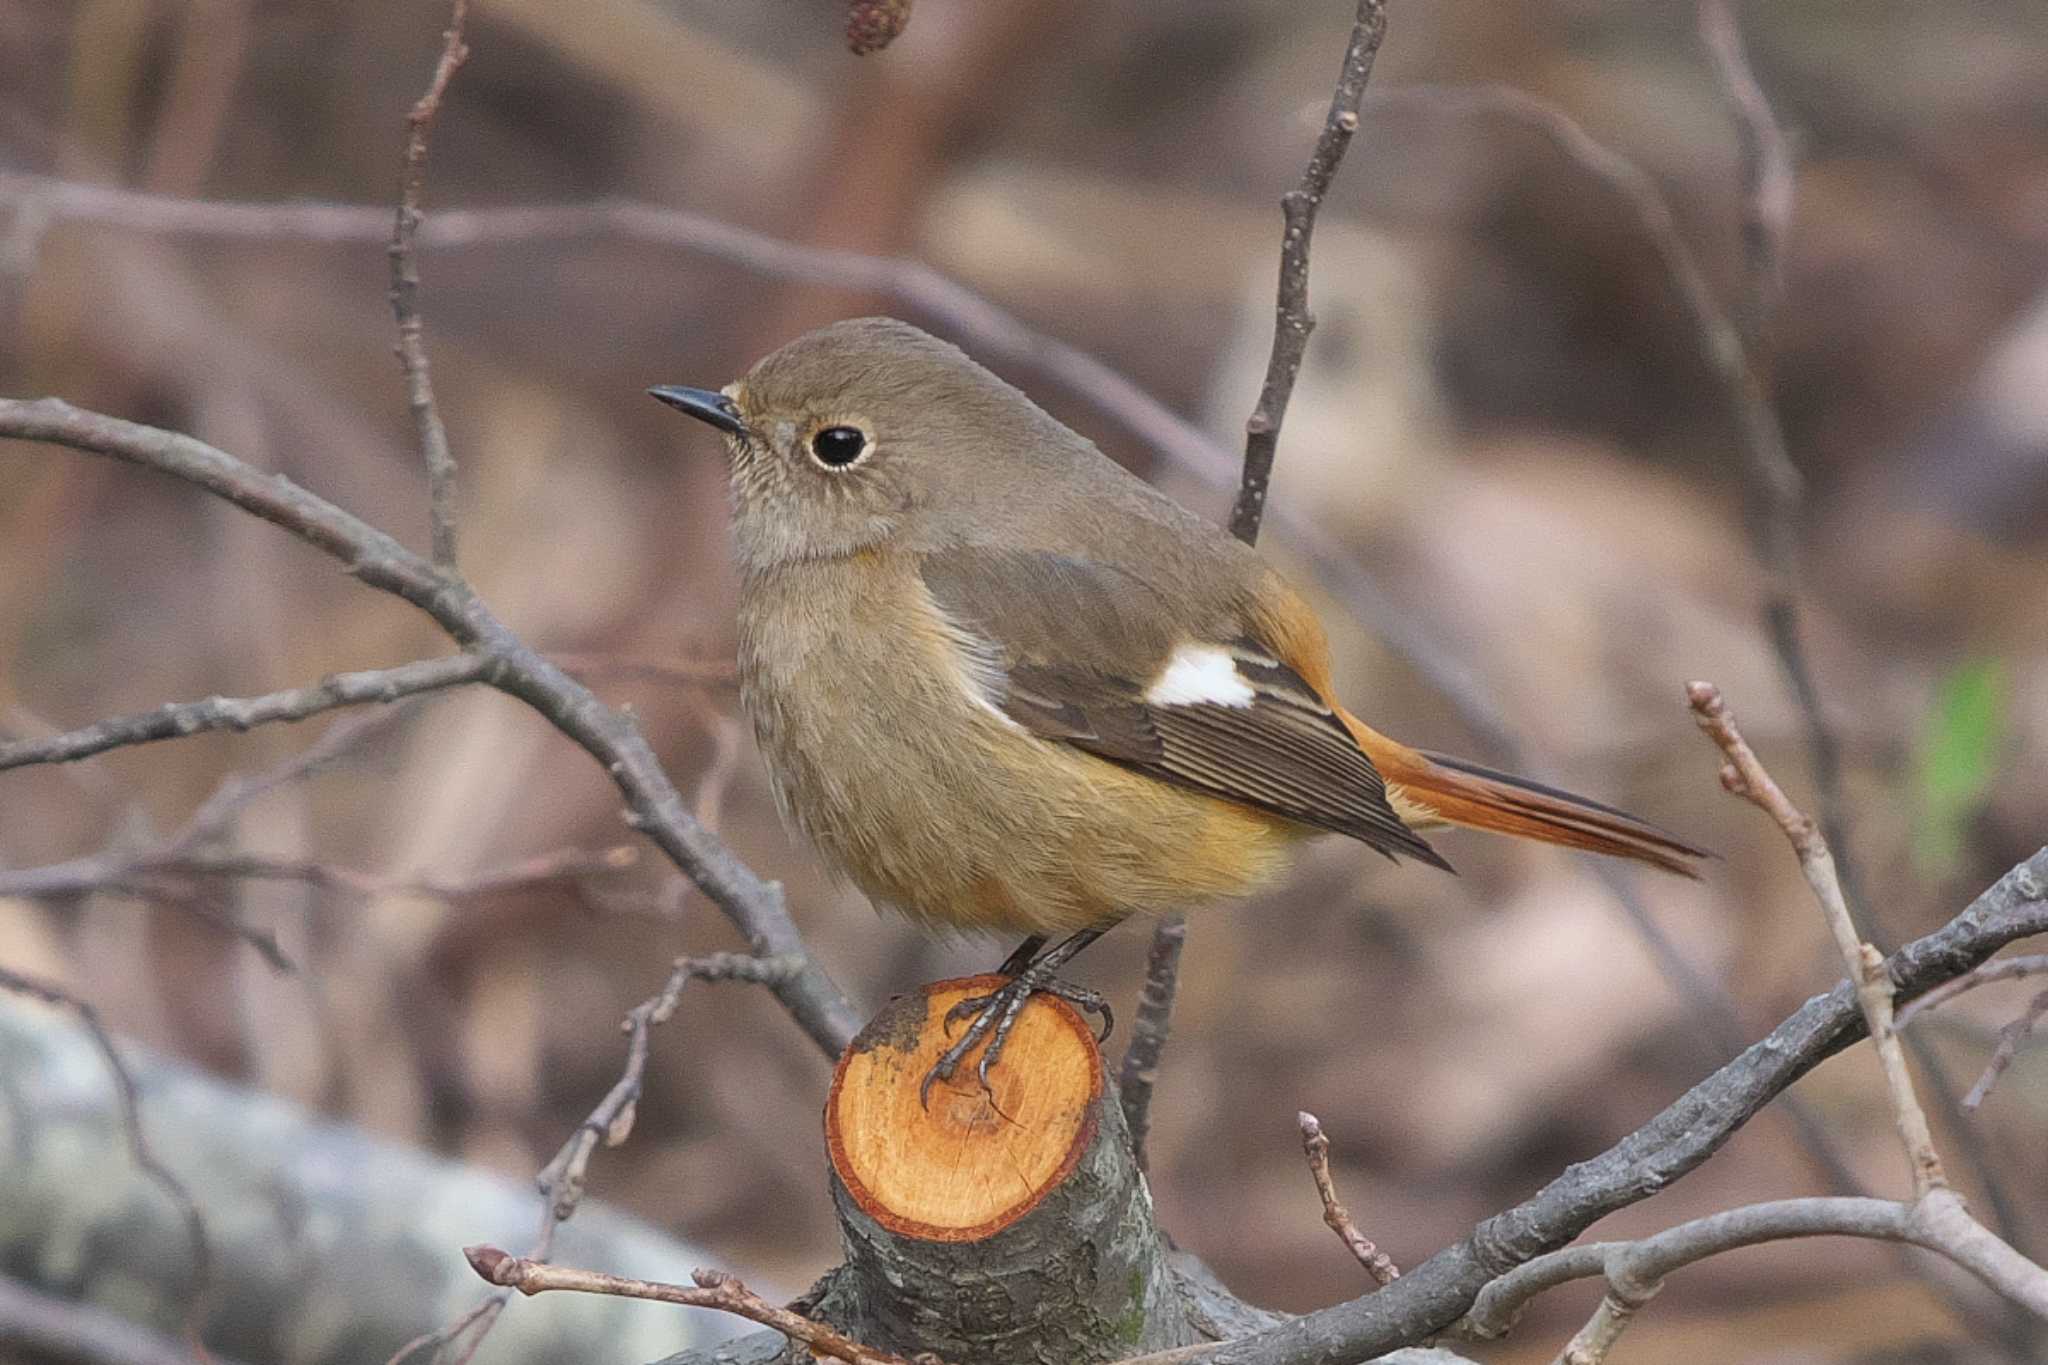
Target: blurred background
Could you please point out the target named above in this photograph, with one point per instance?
(1506, 422)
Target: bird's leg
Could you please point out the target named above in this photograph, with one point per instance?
(1020, 957)
(995, 1014)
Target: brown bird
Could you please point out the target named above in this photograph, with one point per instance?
(1004, 685)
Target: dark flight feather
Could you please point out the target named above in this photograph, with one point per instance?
(1080, 644)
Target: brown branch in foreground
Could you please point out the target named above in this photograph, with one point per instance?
(1317, 1147)
(1745, 776)
(201, 1292)
(405, 288)
(713, 1289)
(175, 720)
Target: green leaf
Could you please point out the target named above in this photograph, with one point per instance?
(1961, 745)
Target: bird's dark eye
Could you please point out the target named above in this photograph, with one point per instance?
(837, 447)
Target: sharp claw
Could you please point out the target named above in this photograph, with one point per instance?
(992, 1016)
(968, 1008)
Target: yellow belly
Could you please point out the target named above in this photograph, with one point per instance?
(1080, 844)
(934, 804)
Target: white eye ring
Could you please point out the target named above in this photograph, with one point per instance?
(839, 446)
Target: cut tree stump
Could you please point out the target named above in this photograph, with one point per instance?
(1008, 1224)
(976, 1161)
(998, 1227)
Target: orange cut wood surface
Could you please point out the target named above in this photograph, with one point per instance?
(977, 1160)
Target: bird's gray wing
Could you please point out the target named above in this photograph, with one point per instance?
(1092, 656)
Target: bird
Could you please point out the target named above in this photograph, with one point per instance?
(1004, 685)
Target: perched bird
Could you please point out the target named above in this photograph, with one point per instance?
(1004, 685)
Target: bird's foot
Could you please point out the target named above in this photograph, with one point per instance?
(992, 1016)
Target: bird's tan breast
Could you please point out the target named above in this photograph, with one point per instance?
(874, 716)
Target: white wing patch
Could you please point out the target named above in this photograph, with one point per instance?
(977, 665)
(1200, 675)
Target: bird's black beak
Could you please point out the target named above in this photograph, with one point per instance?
(704, 405)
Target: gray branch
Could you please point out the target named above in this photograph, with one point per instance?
(175, 720)
(654, 806)
(1435, 1294)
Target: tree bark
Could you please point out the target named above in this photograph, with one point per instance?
(1004, 1226)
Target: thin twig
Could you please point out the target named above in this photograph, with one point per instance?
(1139, 1070)
(713, 1289)
(1430, 1297)
(1635, 1269)
(654, 806)
(169, 869)
(1998, 969)
(1776, 490)
(199, 1296)
(993, 333)
(611, 1122)
(405, 288)
(1745, 776)
(1292, 321)
(1317, 1148)
(2009, 1039)
(720, 673)
(153, 871)
(1767, 177)
(175, 720)
(561, 1181)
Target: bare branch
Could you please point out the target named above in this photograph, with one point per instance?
(405, 288)
(1139, 1070)
(995, 334)
(654, 806)
(175, 720)
(2009, 1039)
(1998, 969)
(1317, 1147)
(67, 1329)
(1766, 167)
(713, 1290)
(719, 673)
(1292, 321)
(200, 1295)
(561, 1181)
(1431, 1296)
(1635, 1270)
(1745, 776)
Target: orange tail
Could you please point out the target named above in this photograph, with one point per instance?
(1428, 789)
